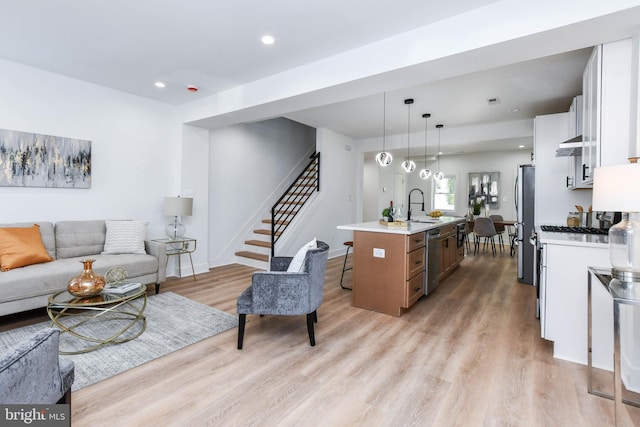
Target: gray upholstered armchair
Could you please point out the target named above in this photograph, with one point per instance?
(285, 293)
(33, 373)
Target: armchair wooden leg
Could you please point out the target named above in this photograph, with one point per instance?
(241, 321)
(310, 320)
(66, 399)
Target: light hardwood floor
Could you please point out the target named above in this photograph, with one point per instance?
(467, 355)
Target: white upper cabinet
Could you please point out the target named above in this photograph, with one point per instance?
(591, 85)
(615, 112)
(606, 85)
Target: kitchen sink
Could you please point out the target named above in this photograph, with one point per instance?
(426, 220)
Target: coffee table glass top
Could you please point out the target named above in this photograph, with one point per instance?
(64, 298)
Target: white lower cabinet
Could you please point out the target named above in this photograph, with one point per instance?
(563, 294)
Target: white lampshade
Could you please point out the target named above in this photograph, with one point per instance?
(178, 206)
(617, 188)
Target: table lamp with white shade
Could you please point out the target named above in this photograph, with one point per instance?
(617, 188)
(177, 207)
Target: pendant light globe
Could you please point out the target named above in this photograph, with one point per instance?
(408, 165)
(384, 158)
(439, 176)
(425, 173)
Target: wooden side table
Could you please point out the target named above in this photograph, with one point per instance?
(180, 246)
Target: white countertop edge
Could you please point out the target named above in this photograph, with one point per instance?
(574, 239)
(412, 228)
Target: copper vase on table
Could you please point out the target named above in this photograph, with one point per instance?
(87, 283)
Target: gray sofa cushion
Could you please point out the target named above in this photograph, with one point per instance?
(48, 278)
(46, 231)
(79, 238)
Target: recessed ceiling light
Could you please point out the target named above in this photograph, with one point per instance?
(159, 84)
(520, 146)
(268, 39)
(515, 110)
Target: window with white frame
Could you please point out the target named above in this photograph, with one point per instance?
(444, 194)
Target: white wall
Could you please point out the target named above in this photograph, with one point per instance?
(246, 163)
(336, 204)
(194, 172)
(132, 148)
(370, 191)
(460, 165)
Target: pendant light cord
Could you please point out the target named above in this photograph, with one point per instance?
(439, 129)
(408, 127)
(384, 120)
(426, 139)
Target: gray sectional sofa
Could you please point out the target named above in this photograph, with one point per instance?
(69, 242)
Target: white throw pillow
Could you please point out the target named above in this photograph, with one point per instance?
(125, 237)
(297, 263)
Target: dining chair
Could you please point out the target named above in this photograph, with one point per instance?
(468, 231)
(483, 227)
(500, 229)
(513, 235)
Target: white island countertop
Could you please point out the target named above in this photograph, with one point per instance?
(418, 224)
(574, 239)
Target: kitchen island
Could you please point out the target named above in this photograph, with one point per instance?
(391, 264)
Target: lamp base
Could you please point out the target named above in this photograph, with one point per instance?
(625, 276)
(624, 246)
(175, 229)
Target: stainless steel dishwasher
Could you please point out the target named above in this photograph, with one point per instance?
(432, 255)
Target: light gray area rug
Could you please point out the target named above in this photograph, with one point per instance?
(173, 322)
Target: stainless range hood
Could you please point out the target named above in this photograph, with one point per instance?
(571, 147)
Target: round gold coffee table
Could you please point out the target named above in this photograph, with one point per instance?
(100, 320)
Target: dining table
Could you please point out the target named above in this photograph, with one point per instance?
(505, 222)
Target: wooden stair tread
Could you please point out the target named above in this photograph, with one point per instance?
(253, 255)
(279, 222)
(260, 243)
(266, 232)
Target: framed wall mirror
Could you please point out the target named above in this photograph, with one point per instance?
(484, 190)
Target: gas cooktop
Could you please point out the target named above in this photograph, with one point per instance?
(565, 229)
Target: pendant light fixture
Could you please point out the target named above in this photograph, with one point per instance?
(438, 176)
(384, 158)
(408, 165)
(425, 173)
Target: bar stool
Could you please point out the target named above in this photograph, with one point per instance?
(349, 245)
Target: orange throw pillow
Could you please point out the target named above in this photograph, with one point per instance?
(21, 246)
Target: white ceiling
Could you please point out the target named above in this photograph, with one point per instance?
(215, 45)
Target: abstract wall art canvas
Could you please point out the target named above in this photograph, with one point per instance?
(34, 160)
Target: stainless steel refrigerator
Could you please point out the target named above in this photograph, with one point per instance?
(524, 198)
